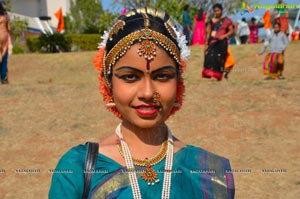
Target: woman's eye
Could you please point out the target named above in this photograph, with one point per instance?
(129, 77)
(164, 77)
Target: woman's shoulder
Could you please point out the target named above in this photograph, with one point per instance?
(202, 155)
(74, 155)
(228, 20)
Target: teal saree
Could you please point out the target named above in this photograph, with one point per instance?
(196, 173)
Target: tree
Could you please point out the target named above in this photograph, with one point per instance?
(173, 7)
(18, 27)
(84, 16)
(107, 19)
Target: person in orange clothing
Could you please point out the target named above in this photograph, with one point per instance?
(295, 34)
(229, 63)
(281, 16)
(267, 23)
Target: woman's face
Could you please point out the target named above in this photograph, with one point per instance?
(133, 87)
(218, 12)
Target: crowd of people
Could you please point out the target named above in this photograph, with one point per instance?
(217, 31)
(214, 32)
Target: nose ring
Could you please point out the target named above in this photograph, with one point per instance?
(156, 98)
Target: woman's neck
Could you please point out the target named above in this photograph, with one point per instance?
(140, 137)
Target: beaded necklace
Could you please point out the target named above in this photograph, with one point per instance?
(131, 169)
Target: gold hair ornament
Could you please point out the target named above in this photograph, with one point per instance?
(116, 28)
(150, 37)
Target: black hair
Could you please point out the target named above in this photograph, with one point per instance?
(277, 24)
(244, 19)
(200, 13)
(2, 9)
(218, 5)
(186, 7)
(253, 19)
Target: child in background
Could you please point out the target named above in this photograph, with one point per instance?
(274, 60)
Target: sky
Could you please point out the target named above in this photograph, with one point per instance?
(107, 4)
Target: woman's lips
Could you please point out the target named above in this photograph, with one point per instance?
(146, 110)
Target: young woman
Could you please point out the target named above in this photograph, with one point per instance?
(140, 63)
(199, 28)
(253, 26)
(218, 31)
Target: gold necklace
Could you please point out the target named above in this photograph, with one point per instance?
(149, 174)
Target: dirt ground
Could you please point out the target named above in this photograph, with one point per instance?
(52, 104)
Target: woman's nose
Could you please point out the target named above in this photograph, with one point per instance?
(146, 89)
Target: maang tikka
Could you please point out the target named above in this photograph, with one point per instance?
(148, 47)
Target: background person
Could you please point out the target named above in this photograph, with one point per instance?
(218, 32)
(199, 28)
(281, 16)
(274, 61)
(187, 23)
(243, 31)
(4, 42)
(295, 34)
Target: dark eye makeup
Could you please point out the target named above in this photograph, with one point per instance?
(131, 74)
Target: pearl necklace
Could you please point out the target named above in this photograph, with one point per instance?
(131, 170)
(149, 175)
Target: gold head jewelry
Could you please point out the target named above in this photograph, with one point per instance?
(149, 40)
(116, 28)
(124, 44)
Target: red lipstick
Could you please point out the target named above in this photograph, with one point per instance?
(146, 110)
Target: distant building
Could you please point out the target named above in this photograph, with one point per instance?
(37, 11)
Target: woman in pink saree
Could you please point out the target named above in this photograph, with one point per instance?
(199, 28)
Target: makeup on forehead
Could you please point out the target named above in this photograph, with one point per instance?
(131, 68)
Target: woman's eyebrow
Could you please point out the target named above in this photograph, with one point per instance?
(140, 71)
(164, 68)
(128, 68)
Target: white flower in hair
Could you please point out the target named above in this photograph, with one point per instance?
(185, 52)
(104, 38)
